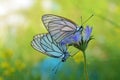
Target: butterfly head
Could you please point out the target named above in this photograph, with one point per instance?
(65, 57)
(80, 28)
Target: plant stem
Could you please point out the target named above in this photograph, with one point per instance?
(85, 67)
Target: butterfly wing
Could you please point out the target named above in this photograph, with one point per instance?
(74, 38)
(44, 44)
(59, 27)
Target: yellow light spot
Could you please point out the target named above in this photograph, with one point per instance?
(19, 65)
(11, 69)
(5, 65)
(6, 73)
(78, 57)
(117, 30)
(7, 54)
(1, 78)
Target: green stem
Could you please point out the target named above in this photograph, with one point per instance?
(85, 67)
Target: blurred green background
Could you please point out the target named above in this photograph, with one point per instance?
(20, 20)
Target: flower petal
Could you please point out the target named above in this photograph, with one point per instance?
(87, 34)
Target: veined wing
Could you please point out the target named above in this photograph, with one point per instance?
(59, 27)
(44, 44)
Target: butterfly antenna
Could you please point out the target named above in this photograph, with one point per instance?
(81, 19)
(88, 19)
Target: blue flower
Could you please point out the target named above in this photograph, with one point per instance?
(85, 38)
(79, 40)
(87, 33)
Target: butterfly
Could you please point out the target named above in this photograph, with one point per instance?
(46, 45)
(61, 28)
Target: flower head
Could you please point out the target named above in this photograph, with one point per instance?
(79, 39)
(85, 38)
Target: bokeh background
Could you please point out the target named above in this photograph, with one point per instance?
(20, 20)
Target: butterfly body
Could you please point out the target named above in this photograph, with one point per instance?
(66, 55)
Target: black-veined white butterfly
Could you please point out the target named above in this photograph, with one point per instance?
(60, 27)
(46, 45)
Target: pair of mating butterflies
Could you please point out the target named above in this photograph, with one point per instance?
(59, 29)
